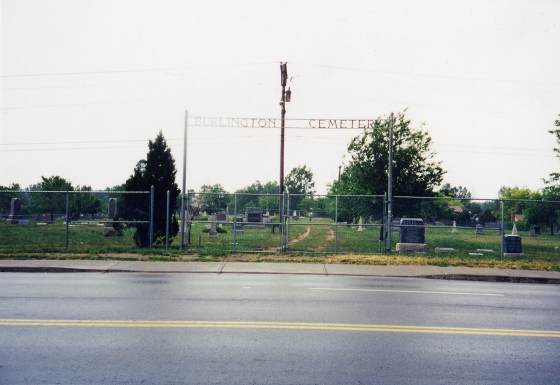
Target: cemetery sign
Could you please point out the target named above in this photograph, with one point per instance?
(209, 121)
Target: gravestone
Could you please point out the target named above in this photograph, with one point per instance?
(221, 216)
(412, 230)
(479, 229)
(266, 218)
(15, 209)
(454, 228)
(360, 224)
(254, 215)
(112, 212)
(534, 231)
(238, 224)
(440, 250)
(412, 235)
(213, 232)
(512, 246)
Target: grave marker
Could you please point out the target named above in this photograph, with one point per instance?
(479, 229)
(412, 235)
(112, 212)
(213, 232)
(512, 246)
(454, 228)
(238, 224)
(534, 231)
(15, 209)
(254, 214)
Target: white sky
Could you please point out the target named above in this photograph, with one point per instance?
(482, 75)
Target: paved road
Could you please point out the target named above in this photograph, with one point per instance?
(78, 328)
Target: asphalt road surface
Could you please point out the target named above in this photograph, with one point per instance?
(130, 328)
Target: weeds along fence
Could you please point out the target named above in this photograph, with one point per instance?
(77, 221)
(221, 223)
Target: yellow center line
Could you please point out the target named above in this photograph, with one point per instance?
(280, 325)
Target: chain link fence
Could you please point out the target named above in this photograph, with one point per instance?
(73, 221)
(479, 228)
(222, 223)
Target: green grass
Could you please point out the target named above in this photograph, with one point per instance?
(319, 236)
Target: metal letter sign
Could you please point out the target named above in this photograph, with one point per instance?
(333, 124)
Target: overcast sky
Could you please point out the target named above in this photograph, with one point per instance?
(95, 79)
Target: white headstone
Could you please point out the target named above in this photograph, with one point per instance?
(454, 229)
(213, 232)
(514, 229)
(360, 223)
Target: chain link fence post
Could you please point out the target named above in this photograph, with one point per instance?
(336, 224)
(67, 221)
(234, 229)
(168, 196)
(287, 237)
(151, 231)
(502, 232)
(186, 214)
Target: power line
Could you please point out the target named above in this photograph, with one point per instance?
(428, 75)
(128, 70)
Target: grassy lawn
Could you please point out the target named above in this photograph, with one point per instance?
(328, 243)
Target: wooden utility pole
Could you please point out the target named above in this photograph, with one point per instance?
(283, 81)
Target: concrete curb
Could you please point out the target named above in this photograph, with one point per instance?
(409, 271)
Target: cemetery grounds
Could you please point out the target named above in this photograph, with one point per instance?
(308, 240)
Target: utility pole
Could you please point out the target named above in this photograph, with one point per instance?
(339, 167)
(390, 185)
(286, 95)
(283, 80)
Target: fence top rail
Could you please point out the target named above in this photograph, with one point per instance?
(72, 192)
(477, 199)
(230, 193)
(279, 195)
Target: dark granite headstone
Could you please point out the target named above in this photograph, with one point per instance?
(254, 214)
(221, 216)
(512, 244)
(412, 230)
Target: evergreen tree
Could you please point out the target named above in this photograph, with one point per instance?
(157, 170)
(555, 176)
